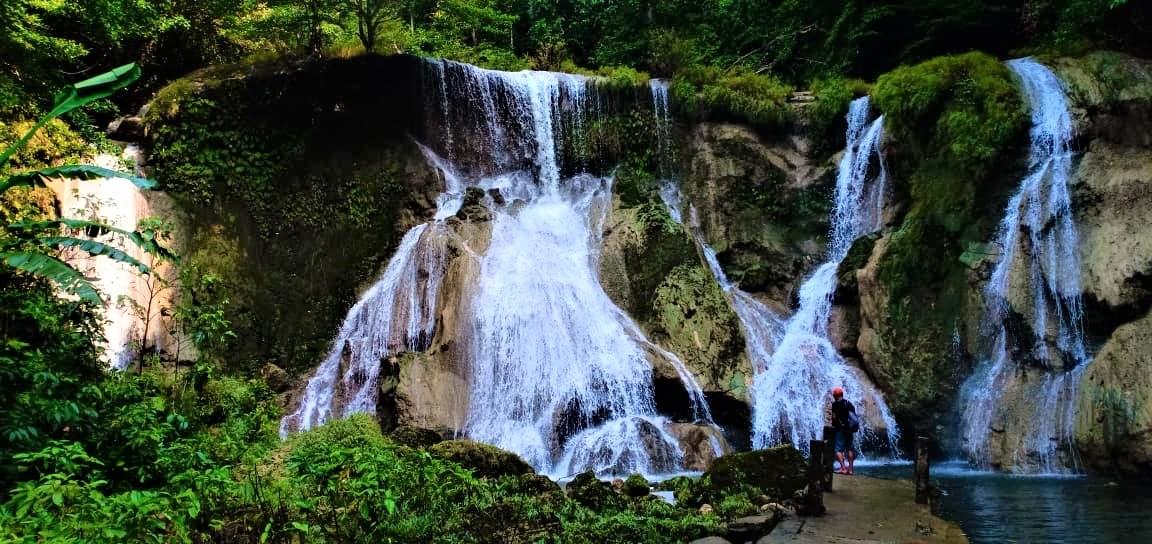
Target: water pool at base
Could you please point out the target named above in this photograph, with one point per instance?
(1004, 508)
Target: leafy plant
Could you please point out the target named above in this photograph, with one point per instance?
(29, 246)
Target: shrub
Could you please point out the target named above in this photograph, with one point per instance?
(971, 100)
(738, 93)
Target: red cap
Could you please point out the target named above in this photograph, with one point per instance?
(837, 391)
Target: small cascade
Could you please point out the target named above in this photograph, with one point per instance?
(118, 203)
(557, 372)
(394, 316)
(1040, 250)
(791, 394)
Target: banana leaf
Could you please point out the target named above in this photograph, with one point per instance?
(96, 249)
(37, 178)
(144, 240)
(59, 272)
(77, 95)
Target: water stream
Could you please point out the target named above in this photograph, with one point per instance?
(995, 508)
(1040, 256)
(791, 392)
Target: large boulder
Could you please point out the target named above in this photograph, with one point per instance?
(484, 460)
(1114, 416)
(649, 266)
(702, 444)
(1111, 95)
(593, 493)
(777, 472)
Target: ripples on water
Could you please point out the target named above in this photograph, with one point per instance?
(996, 507)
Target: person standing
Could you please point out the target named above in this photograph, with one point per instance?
(846, 423)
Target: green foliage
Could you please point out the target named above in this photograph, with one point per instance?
(737, 93)
(968, 110)
(833, 95)
(971, 100)
(24, 245)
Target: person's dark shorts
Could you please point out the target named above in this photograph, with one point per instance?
(844, 440)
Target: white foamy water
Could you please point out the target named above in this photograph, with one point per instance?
(1037, 236)
(118, 203)
(557, 372)
(791, 392)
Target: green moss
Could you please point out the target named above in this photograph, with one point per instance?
(636, 486)
(970, 100)
(833, 94)
(482, 459)
(737, 93)
(268, 190)
(957, 121)
(735, 506)
(589, 491)
(414, 437)
(690, 310)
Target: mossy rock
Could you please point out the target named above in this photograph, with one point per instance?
(777, 472)
(691, 310)
(636, 486)
(482, 459)
(415, 437)
(534, 484)
(589, 491)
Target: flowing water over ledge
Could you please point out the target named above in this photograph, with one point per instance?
(994, 507)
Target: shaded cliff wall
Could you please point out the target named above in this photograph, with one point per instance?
(297, 181)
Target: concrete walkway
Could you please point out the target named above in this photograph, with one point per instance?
(868, 510)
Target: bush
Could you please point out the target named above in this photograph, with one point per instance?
(971, 101)
(737, 93)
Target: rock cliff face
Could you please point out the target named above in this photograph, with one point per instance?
(762, 204)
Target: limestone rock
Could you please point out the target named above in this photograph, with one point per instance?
(1111, 94)
(750, 528)
(699, 443)
(484, 460)
(1113, 196)
(276, 378)
(432, 392)
(1114, 418)
(652, 270)
(759, 204)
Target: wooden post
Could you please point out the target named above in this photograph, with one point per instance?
(814, 496)
(829, 456)
(921, 470)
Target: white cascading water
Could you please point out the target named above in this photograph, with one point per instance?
(395, 315)
(798, 386)
(791, 394)
(1038, 235)
(558, 373)
(761, 326)
(119, 203)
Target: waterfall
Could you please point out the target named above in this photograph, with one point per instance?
(794, 363)
(128, 296)
(557, 372)
(761, 326)
(1038, 242)
(791, 392)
